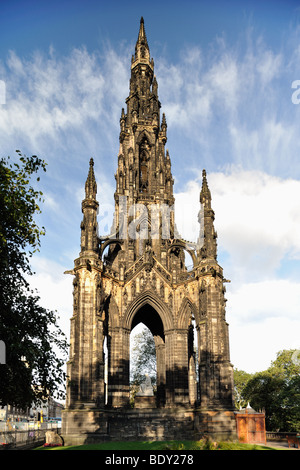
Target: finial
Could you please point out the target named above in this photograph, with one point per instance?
(90, 184)
(205, 196)
(142, 44)
(164, 121)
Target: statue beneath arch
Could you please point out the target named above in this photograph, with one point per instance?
(146, 389)
(137, 274)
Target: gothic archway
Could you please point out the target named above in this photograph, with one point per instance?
(148, 316)
(148, 297)
(148, 309)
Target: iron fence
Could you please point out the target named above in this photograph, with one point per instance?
(25, 438)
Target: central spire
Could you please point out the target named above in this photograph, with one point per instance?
(142, 39)
(144, 170)
(144, 167)
(142, 51)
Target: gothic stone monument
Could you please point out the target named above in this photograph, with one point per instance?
(138, 274)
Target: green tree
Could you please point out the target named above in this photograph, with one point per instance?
(291, 404)
(241, 378)
(35, 345)
(143, 358)
(284, 365)
(277, 392)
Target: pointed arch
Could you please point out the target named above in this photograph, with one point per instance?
(107, 242)
(148, 297)
(145, 135)
(112, 312)
(186, 310)
(183, 245)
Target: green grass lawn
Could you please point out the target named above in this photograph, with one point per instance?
(163, 445)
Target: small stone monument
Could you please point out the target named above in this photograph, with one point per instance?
(53, 439)
(145, 397)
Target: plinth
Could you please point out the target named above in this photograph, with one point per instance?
(144, 402)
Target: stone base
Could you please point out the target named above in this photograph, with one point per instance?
(85, 426)
(144, 402)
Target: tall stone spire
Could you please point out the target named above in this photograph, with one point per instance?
(91, 185)
(89, 225)
(141, 48)
(144, 167)
(205, 195)
(207, 243)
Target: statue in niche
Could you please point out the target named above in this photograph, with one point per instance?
(101, 297)
(146, 389)
(144, 157)
(75, 292)
(148, 258)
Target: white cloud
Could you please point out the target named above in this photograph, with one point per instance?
(253, 346)
(235, 103)
(263, 320)
(258, 224)
(271, 145)
(254, 302)
(257, 218)
(50, 96)
(54, 288)
(269, 66)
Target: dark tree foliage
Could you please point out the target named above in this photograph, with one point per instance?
(35, 345)
(276, 391)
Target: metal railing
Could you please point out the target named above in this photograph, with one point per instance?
(280, 436)
(25, 435)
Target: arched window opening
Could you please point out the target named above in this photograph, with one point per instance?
(188, 261)
(149, 355)
(143, 159)
(105, 361)
(193, 362)
(142, 358)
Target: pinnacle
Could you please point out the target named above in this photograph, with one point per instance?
(90, 185)
(142, 33)
(141, 47)
(205, 192)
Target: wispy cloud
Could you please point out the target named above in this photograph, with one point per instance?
(51, 98)
(236, 103)
(257, 219)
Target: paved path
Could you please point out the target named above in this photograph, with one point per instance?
(280, 445)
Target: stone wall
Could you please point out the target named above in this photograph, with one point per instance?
(133, 425)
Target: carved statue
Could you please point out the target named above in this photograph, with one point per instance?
(146, 389)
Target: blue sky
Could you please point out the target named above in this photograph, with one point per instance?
(225, 71)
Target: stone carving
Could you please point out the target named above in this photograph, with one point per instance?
(146, 389)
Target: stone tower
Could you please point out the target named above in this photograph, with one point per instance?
(138, 274)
